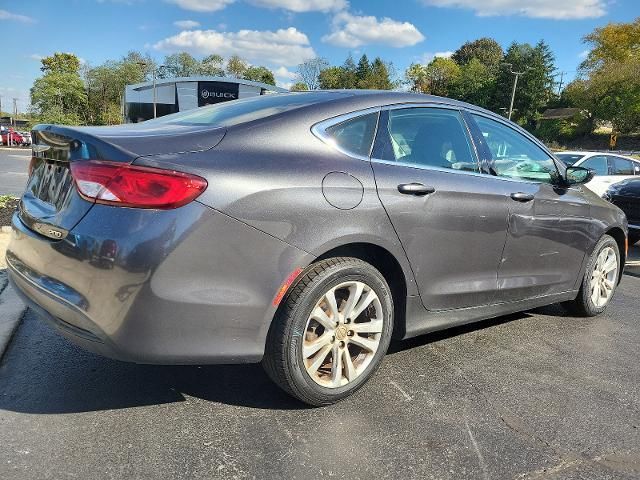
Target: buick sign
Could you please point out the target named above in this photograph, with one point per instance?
(216, 92)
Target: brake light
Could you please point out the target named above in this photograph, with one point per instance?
(127, 185)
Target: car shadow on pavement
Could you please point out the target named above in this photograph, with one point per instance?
(44, 373)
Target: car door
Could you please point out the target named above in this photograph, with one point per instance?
(549, 224)
(449, 221)
(601, 166)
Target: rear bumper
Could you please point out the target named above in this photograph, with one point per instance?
(185, 286)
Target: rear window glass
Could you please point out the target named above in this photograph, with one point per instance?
(244, 110)
(355, 136)
(622, 166)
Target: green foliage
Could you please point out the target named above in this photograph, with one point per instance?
(105, 85)
(259, 74)
(613, 43)
(535, 86)
(6, 200)
(439, 77)
(376, 75)
(212, 65)
(609, 85)
(60, 63)
(59, 95)
(236, 66)
(485, 51)
(299, 87)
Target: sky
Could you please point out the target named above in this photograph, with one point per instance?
(280, 34)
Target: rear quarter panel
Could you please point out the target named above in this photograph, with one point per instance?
(269, 174)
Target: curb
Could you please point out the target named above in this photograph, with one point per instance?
(11, 312)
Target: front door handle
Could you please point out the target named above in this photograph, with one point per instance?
(522, 197)
(415, 189)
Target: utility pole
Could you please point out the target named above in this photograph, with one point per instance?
(560, 84)
(515, 85)
(15, 111)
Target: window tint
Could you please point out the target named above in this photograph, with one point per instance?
(355, 135)
(622, 166)
(514, 155)
(598, 163)
(429, 137)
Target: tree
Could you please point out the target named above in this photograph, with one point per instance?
(331, 78)
(212, 65)
(416, 78)
(105, 85)
(608, 86)
(309, 72)
(60, 63)
(259, 74)
(299, 87)
(378, 77)
(535, 86)
(476, 83)
(236, 66)
(179, 65)
(59, 95)
(615, 42)
(485, 50)
(363, 71)
(441, 76)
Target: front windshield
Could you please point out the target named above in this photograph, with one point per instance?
(569, 158)
(244, 110)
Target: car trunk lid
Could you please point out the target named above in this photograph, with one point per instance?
(51, 204)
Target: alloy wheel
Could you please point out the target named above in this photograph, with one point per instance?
(604, 277)
(342, 334)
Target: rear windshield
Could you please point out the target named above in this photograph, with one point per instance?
(244, 110)
(569, 158)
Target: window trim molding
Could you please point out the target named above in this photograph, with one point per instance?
(319, 130)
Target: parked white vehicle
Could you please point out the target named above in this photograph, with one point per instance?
(610, 168)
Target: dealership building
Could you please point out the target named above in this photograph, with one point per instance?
(184, 93)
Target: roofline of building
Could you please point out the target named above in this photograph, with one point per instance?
(204, 78)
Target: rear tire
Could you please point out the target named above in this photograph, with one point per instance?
(320, 351)
(599, 282)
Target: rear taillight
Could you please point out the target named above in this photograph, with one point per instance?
(133, 186)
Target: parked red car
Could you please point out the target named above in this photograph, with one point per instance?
(11, 137)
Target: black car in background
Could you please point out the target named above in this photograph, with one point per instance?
(626, 196)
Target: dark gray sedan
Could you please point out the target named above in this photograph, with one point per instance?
(304, 231)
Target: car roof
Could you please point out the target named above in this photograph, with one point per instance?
(382, 97)
(587, 153)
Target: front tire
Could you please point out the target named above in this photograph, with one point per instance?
(332, 331)
(600, 280)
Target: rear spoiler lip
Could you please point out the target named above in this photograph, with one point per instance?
(130, 141)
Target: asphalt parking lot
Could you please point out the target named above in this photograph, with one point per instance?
(14, 163)
(533, 395)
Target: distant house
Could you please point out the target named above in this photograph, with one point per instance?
(559, 113)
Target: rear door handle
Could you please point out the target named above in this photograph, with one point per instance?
(415, 189)
(522, 197)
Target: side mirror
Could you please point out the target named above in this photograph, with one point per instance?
(578, 175)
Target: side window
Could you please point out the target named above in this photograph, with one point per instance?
(598, 164)
(622, 166)
(425, 136)
(514, 155)
(355, 135)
